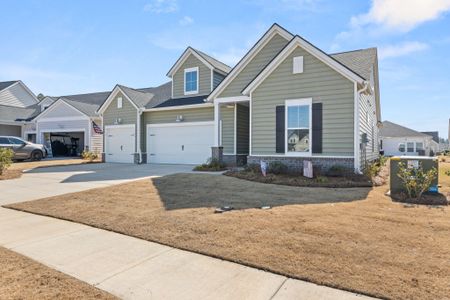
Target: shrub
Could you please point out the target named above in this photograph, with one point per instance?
(338, 171)
(6, 156)
(212, 164)
(373, 168)
(276, 167)
(415, 180)
(447, 172)
(322, 179)
(253, 168)
(89, 155)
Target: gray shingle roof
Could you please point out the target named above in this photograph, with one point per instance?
(5, 84)
(12, 113)
(434, 134)
(390, 129)
(214, 62)
(359, 61)
(160, 93)
(139, 98)
(86, 103)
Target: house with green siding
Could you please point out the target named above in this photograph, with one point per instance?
(285, 100)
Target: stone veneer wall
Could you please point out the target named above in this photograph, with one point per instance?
(295, 164)
(235, 160)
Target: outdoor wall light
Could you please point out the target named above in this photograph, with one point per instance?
(179, 118)
(118, 121)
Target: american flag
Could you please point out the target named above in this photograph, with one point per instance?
(97, 128)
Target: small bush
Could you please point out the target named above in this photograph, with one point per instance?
(276, 167)
(212, 164)
(447, 172)
(322, 179)
(416, 181)
(253, 168)
(6, 156)
(89, 155)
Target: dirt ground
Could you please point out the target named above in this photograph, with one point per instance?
(355, 239)
(24, 278)
(16, 169)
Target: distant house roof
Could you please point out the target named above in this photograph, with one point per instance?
(434, 134)
(390, 129)
(13, 113)
(359, 61)
(5, 84)
(183, 101)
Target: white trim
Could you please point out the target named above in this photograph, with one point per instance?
(235, 128)
(55, 104)
(111, 97)
(119, 102)
(309, 156)
(296, 102)
(212, 80)
(216, 125)
(63, 130)
(119, 126)
(180, 107)
(250, 128)
(183, 58)
(299, 42)
(275, 29)
(187, 70)
(138, 145)
(24, 87)
(357, 149)
(181, 124)
(57, 119)
(232, 99)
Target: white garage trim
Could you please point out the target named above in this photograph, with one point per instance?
(86, 136)
(119, 126)
(181, 124)
(107, 144)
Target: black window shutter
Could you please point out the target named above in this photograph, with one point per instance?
(317, 121)
(279, 129)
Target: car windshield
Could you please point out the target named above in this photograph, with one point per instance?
(17, 141)
(4, 141)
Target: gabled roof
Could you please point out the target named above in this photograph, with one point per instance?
(13, 113)
(209, 61)
(182, 101)
(5, 84)
(139, 98)
(434, 134)
(160, 94)
(390, 129)
(359, 61)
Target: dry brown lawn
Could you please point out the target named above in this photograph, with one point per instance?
(24, 278)
(355, 239)
(17, 168)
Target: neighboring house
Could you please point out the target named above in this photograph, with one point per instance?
(285, 100)
(397, 140)
(17, 105)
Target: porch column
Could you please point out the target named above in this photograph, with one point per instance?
(217, 124)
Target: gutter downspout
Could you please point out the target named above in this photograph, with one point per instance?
(138, 138)
(357, 126)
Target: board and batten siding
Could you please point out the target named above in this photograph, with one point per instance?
(368, 125)
(16, 96)
(242, 129)
(204, 78)
(128, 113)
(170, 116)
(227, 118)
(319, 82)
(264, 56)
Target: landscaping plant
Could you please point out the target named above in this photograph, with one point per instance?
(6, 156)
(89, 155)
(415, 180)
(213, 164)
(276, 167)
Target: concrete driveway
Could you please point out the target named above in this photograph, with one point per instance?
(53, 181)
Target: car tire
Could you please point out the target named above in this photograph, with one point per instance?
(36, 155)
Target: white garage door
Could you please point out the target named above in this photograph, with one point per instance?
(185, 143)
(119, 143)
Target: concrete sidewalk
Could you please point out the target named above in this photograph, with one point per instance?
(131, 268)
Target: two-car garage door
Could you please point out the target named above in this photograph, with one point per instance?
(179, 143)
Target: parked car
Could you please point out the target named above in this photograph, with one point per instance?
(23, 149)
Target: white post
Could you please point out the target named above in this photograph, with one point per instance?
(216, 124)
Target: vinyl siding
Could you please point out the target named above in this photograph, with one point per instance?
(319, 82)
(264, 56)
(11, 130)
(368, 125)
(242, 129)
(204, 87)
(16, 96)
(170, 116)
(227, 118)
(96, 139)
(61, 110)
(127, 113)
(217, 78)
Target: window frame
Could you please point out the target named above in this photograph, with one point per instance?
(297, 102)
(188, 70)
(119, 102)
(422, 148)
(413, 147)
(404, 147)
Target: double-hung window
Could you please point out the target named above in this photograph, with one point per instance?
(401, 147)
(419, 146)
(298, 126)
(410, 147)
(191, 81)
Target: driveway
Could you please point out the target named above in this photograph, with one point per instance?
(53, 181)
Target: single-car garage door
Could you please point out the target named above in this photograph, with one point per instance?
(119, 143)
(180, 143)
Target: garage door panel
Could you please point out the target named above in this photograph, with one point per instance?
(119, 144)
(183, 144)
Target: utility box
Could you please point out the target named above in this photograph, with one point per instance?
(427, 163)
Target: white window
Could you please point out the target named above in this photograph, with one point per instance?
(401, 147)
(298, 65)
(298, 126)
(119, 102)
(191, 81)
(419, 146)
(410, 147)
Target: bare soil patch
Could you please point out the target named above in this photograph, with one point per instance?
(17, 168)
(24, 278)
(355, 239)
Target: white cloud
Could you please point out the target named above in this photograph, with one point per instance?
(162, 6)
(186, 20)
(402, 15)
(401, 49)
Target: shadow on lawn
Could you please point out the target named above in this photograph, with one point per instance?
(201, 190)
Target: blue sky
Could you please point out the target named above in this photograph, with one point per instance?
(70, 47)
